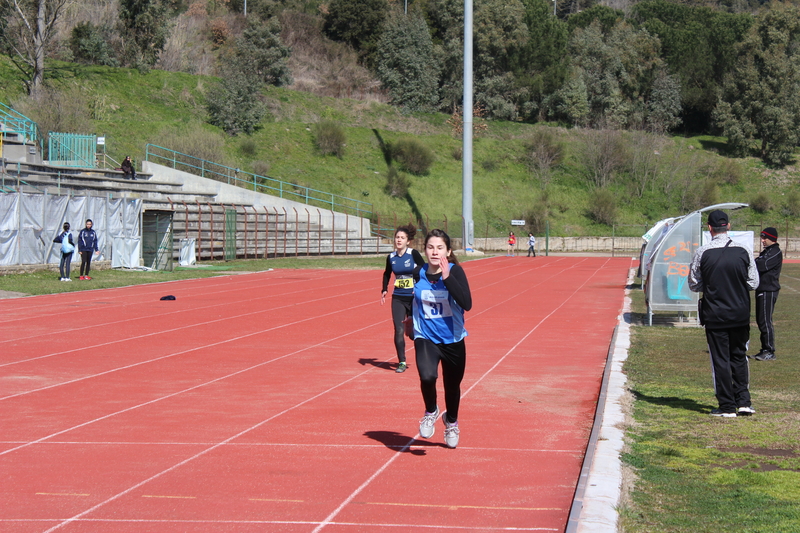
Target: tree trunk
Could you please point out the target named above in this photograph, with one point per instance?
(37, 77)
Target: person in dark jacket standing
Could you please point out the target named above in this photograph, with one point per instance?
(725, 272)
(66, 257)
(402, 262)
(769, 264)
(87, 244)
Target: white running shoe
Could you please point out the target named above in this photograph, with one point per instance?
(427, 425)
(67, 279)
(450, 432)
(62, 279)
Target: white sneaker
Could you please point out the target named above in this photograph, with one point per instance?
(62, 279)
(427, 425)
(450, 432)
(67, 279)
(746, 411)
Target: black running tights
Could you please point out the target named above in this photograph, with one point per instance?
(454, 362)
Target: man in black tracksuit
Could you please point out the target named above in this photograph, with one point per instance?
(769, 264)
(725, 272)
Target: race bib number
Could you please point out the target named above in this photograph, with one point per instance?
(404, 283)
(435, 304)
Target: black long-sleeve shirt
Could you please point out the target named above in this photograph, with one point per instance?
(457, 285)
(769, 263)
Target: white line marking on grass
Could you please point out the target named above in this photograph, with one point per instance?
(380, 470)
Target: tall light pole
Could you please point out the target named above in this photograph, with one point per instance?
(466, 151)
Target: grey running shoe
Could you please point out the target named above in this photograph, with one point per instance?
(450, 432)
(427, 424)
(720, 412)
(401, 367)
(746, 411)
(765, 356)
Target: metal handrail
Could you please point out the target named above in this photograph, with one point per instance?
(256, 182)
(17, 123)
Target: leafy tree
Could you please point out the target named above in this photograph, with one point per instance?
(144, 26)
(698, 45)
(760, 101)
(89, 44)
(27, 33)
(233, 104)
(606, 16)
(407, 65)
(358, 23)
(261, 51)
(539, 65)
(624, 77)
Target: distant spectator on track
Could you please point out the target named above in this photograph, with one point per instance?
(128, 170)
(87, 244)
(769, 263)
(66, 253)
(512, 243)
(531, 245)
(402, 262)
(441, 296)
(725, 272)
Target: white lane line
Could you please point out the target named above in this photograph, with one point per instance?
(172, 330)
(134, 407)
(214, 447)
(380, 470)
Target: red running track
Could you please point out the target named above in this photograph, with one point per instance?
(269, 402)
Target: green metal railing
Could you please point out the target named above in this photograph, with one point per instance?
(18, 124)
(72, 149)
(264, 184)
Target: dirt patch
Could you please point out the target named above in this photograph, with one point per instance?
(11, 294)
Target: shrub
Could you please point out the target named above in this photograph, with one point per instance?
(233, 104)
(603, 207)
(220, 32)
(330, 138)
(761, 203)
(489, 165)
(89, 44)
(249, 147)
(458, 153)
(542, 154)
(194, 141)
(792, 207)
(412, 155)
(728, 171)
(396, 183)
(261, 168)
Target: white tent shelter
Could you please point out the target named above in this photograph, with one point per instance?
(669, 258)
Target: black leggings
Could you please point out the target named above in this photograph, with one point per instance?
(86, 261)
(454, 362)
(401, 308)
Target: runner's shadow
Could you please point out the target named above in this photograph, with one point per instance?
(380, 364)
(673, 401)
(398, 442)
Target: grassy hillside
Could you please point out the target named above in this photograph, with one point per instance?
(165, 108)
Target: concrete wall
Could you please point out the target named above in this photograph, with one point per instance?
(234, 195)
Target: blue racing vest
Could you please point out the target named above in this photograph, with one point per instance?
(437, 316)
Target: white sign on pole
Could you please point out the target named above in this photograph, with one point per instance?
(517, 222)
(101, 140)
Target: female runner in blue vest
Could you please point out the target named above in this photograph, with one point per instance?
(441, 296)
(402, 263)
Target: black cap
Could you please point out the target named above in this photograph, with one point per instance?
(717, 219)
(769, 233)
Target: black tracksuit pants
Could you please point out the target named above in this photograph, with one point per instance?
(765, 305)
(454, 362)
(730, 367)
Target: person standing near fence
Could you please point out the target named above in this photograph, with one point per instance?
(402, 262)
(531, 245)
(87, 244)
(725, 272)
(769, 263)
(441, 297)
(67, 249)
(512, 243)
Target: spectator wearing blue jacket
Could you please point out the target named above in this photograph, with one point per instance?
(87, 243)
(66, 257)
